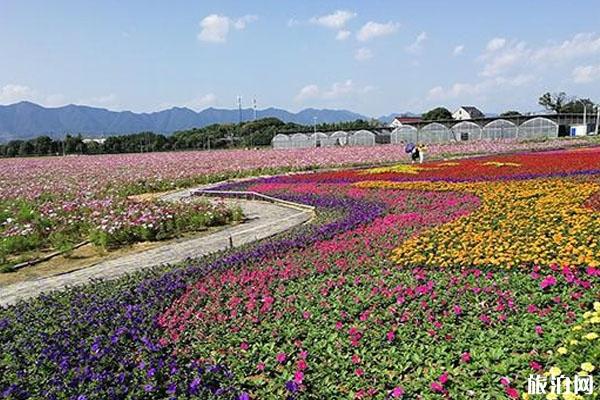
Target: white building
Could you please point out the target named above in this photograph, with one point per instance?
(467, 112)
(401, 121)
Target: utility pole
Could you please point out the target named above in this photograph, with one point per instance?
(254, 105)
(315, 129)
(597, 118)
(239, 99)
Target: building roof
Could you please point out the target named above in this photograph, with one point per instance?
(405, 120)
(474, 112)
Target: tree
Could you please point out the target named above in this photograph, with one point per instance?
(511, 113)
(575, 106)
(439, 113)
(25, 148)
(553, 101)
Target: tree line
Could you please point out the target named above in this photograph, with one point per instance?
(242, 135)
(217, 136)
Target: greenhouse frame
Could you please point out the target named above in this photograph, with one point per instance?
(406, 134)
(340, 138)
(500, 129)
(281, 141)
(466, 130)
(434, 133)
(362, 138)
(318, 139)
(538, 128)
(301, 141)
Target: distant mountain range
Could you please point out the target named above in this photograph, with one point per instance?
(26, 120)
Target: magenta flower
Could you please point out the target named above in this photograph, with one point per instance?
(302, 365)
(457, 310)
(390, 336)
(436, 387)
(512, 392)
(397, 392)
(536, 366)
(539, 330)
(443, 378)
(244, 346)
(485, 319)
(359, 372)
(465, 357)
(547, 282)
(281, 357)
(298, 377)
(504, 381)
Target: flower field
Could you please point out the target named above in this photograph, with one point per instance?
(54, 203)
(451, 279)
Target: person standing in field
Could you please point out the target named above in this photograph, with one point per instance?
(422, 149)
(418, 153)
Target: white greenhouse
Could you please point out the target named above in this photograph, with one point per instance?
(301, 141)
(318, 139)
(537, 128)
(281, 141)
(406, 134)
(499, 129)
(362, 138)
(435, 133)
(340, 138)
(466, 130)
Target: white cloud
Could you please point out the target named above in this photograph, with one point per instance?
(308, 92)
(215, 28)
(342, 35)
(14, 93)
(106, 101)
(241, 22)
(496, 44)
(586, 73)
(498, 62)
(458, 50)
(372, 30)
(582, 44)
(502, 56)
(336, 20)
(201, 102)
(336, 91)
(417, 45)
(468, 91)
(293, 22)
(363, 54)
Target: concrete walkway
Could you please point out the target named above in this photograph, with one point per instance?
(263, 220)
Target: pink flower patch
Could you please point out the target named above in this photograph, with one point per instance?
(547, 282)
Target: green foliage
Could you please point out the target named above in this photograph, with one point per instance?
(561, 103)
(553, 101)
(511, 113)
(439, 113)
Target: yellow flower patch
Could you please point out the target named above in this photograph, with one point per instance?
(501, 164)
(519, 222)
(396, 169)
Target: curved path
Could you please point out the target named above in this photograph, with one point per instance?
(264, 219)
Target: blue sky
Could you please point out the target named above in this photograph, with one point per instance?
(373, 57)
